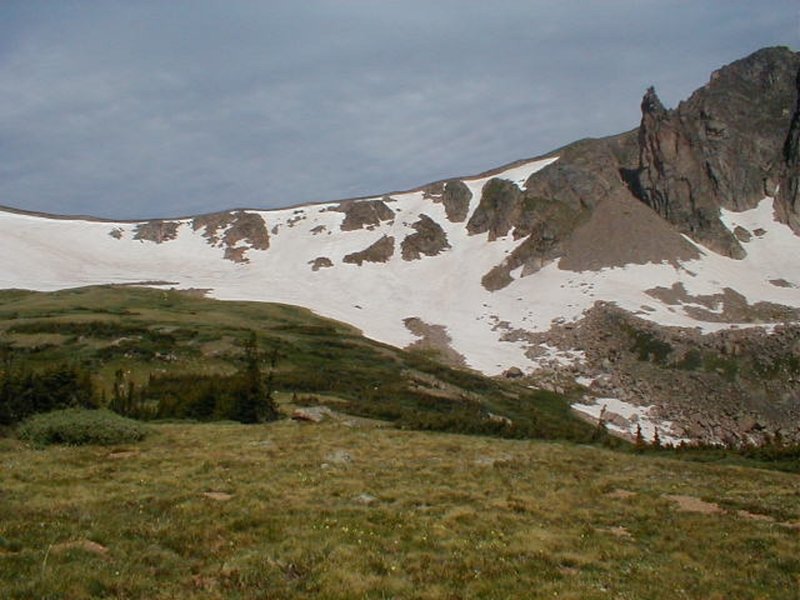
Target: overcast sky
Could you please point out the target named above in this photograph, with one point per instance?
(140, 109)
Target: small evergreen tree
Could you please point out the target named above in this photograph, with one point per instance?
(639, 440)
(254, 402)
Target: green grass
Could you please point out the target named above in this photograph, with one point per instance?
(340, 510)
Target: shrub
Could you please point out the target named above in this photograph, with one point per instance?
(77, 426)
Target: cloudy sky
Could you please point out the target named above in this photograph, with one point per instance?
(139, 108)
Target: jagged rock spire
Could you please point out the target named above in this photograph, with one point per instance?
(651, 103)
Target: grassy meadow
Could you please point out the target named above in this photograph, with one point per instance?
(386, 499)
(352, 509)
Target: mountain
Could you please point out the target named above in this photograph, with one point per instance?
(658, 268)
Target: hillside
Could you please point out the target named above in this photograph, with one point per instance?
(687, 223)
(159, 347)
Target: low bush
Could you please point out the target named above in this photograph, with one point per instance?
(77, 426)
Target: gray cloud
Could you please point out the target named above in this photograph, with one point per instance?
(148, 109)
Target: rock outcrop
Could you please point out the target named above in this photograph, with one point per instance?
(228, 229)
(156, 231)
(361, 214)
(379, 252)
(788, 205)
(499, 209)
(723, 147)
(429, 240)
(733, 386)
(454, 195)
(321, 262)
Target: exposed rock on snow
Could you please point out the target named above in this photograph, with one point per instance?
(360, 214)
(156, 231)
(379, 252)
(428, 239)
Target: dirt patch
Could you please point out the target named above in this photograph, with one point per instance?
(123, 454)
(622, 231)
(84, 545)
(218, 496)
(727, 307)
(694, 504)
(433, 337)
(754, 516)
(620, 494)
(619, 531)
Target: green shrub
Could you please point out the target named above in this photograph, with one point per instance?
(77, 426)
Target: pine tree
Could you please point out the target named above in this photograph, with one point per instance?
(639, 441)
(254, 402)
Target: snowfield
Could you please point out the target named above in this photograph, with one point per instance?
(41, 253)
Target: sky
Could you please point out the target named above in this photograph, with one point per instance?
(134, 109)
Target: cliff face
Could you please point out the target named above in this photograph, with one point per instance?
(788, 205)
(723, 147)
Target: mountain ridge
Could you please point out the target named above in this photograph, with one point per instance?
(497, 262)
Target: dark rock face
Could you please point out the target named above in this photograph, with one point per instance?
(456, 197)
(788, 205)
(360, 214)
(587, 172)
(499, 209)
(429, 240)
(156, 231)
(548, 225)
(380, 251)
(720, 148)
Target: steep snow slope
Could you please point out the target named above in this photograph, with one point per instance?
(42, 253)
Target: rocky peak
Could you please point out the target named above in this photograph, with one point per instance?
(720, 148)
(651, 103)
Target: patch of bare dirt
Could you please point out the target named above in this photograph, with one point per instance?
(727, 307)
(620, 231)
(84, 545)
(218, 496)
(123, 454)
(694, 504)
(620, 494)
(433, 337)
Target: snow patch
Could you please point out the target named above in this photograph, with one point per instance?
(624, 418)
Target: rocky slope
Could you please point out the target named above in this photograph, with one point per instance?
(684, 230)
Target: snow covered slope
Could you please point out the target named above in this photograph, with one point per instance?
(303, 263)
